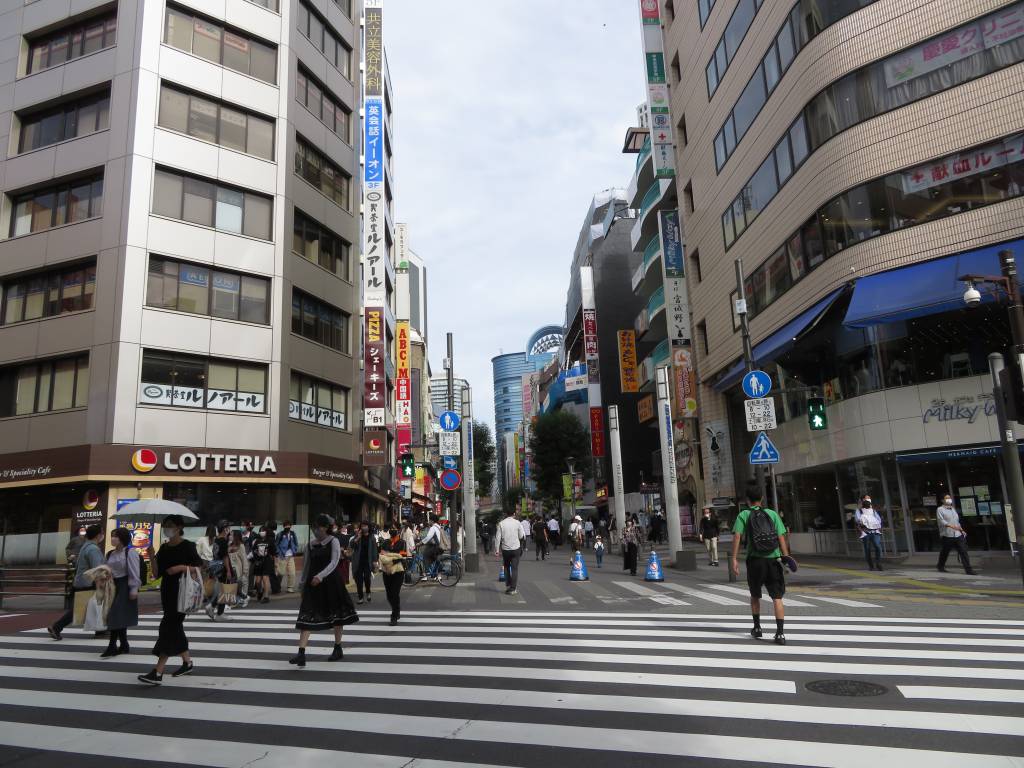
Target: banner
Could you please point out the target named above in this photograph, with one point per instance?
(374, 374)
(597, 432)
(629, 379)
(962, 165)
(416, 434)
(645, 409)
(677, 305)
(375, 444)
(672, 243)
(590, 346)
(566, 487)
(658, 112)
(403, 385)
(684, 383)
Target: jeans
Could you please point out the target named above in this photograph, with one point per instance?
(599, 556)
(510, 558)
(872, 542)
(958, 543)
(542, 549)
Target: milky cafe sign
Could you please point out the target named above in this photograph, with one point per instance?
(968, 408)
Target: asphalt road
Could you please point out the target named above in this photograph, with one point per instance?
(610, 672)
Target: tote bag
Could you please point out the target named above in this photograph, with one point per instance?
(94, 617)
(190, 591)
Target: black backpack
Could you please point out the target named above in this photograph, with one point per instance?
(761, 533)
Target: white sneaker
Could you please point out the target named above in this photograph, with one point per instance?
(210, 612)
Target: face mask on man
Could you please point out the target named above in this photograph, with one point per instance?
(948, 502)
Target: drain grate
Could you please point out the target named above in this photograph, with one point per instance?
(846, 688)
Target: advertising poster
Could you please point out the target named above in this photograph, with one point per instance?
(629, 378)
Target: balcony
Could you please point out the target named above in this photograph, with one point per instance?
(646, 225)
(656, 303)
(645, 153)
(659, 356)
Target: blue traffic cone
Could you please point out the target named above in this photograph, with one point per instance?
(579, 569)
(654, 570)
(501, 573)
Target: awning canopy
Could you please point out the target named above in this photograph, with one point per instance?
(780, 341)
(921, 289)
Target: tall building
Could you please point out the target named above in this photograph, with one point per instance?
(179, 284)
(439, 394)
(411, 276)
(857, 158)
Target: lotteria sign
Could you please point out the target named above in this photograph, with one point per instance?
(145, 460)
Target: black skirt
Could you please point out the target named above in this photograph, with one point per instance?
(124, 612)
(326, 605)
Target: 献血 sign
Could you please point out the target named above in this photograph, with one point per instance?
(760, 414)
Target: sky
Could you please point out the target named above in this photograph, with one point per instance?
(509, 116)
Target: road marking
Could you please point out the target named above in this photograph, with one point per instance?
(1001, 695)
(790, 603)
(650, 593)
(705, 595)
(11, 615)
(839, 601)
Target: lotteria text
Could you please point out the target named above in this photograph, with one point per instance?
(220, 462)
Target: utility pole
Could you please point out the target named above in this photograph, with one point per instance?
(668, 467)
(471, 560)
(748, 350)
(456, 518)
(1008, 267)
(618, 486)
(1011, 460)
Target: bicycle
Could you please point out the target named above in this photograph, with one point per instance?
(447, 569)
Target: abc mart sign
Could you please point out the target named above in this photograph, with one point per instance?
(145, 460)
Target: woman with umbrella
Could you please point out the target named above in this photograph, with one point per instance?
(325, 601)
(175, 557)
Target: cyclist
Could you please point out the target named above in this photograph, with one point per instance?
(431, 544)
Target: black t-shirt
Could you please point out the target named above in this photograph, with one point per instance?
(220, 548)
(540, 530)
(262, 547)
(168, 556)
(709, 527)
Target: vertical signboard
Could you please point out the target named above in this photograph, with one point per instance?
(597, 432)
(403, 389)
(374, 374)
(659, 115)
(677, 304)
(415, 389)
(590, 347)
(684, 383)
(402, 243)
(629, 380)
(529, 406)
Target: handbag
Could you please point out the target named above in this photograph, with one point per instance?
(391, 563)
(94, 616)
(190, 591)
(228, 594)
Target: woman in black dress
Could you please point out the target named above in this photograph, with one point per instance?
(325, 601)
(176, 556)
(123, 561)
(395, 545)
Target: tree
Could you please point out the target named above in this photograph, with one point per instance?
(513, 498)
(555, 437)
(483, 458)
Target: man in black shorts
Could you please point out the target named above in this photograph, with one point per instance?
(766, 543)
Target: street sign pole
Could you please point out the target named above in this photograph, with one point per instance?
(618, 486)
(456, 518)
(1011, 462)
(668, 467)
(748, 350)
(471, 560)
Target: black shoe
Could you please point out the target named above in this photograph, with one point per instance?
(780, 639)
(393, 622)
(943, 570)
(123, 649)
(756, 633)
(151, 678)
(359, 601)
(298, 660)
(971, 573)
(368, 599)
(265, 600)
(54, 633)
(878, 567)
(337, 654)
(184, 669)
(112, 651)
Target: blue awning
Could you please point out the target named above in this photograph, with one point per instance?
(780, 341)
(921, 289)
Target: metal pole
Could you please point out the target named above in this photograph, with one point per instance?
(618, 486)
(1011, 460)
(453, 496)
(668, 467)
(1015, 310)
(775, 488)
(748, 349)
(471, 559)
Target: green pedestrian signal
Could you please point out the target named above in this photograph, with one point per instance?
(817, 416)
(407, 466)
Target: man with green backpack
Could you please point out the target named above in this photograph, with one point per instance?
(767, 549)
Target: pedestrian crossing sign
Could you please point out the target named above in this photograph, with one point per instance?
(764, 450)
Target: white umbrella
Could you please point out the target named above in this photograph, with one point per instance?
(146, 510)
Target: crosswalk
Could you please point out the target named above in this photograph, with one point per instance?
(528, 688)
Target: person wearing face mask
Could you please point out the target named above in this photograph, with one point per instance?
(709, 535)
(263, 563)
(953, 535)
(287, 549)
(869, 523)
(364, 561)
(392, 569)
(176, 556)
(325, 601)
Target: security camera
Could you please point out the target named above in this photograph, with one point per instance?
(972, 296)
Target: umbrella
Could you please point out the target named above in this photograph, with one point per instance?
(146, 510)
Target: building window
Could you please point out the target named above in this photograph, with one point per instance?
(695, 265)
(729, 44)
(47, 294)
(53, 206)
(44, 385)
(328, 178)
(326, 107)
(270, 5)
(186, 381)
(881, 86)
(214, 42)
(704, 9)
(320, 322)
(688, 196)
(682, 130)
(702, 334)
(346, 6)
(68, 121)
(80, 39)
(677, 73)
(314, 27)
(217, 122)
(670, 12)
(203, 290)
(317, 244)
(211, 204)
(317, 402)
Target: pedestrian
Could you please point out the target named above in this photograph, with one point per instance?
(175, 557)
(485, 535)
(325, 601)
(766, 544)
(123, 561)
(599, 550)
(613, 532)
(204, 546)
(239, 566)
(588, 531)
(263, 563)
(510, 544)
(953, 535)
(409, 537)
(75, 546)
(431, 544)
(554, 531)
(220, 571)
(540, 538)
(393, 570)
(869, 523)
(364, 561)
(631, 546)
(287, 549)
(344, 535)
(89, 556)
(527, 533)
(708, 533)
(576, 534)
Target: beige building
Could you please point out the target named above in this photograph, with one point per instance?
(857, 156)
(178, 217)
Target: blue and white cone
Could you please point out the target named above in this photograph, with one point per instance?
(654, 570)
(579, 569)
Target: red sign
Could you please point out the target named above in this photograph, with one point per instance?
(590, 332)
(374, 375)
(596, 432)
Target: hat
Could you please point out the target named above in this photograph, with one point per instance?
(577, 518)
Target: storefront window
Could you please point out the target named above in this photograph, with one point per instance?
(978, 497)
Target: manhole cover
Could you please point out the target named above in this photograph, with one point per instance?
(846, 688)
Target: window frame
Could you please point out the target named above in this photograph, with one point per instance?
(216, 187)
(50, 277)
(306, 383)
(306, 223)
(185, 359)
(66, 109)
(319, 309)
(326, 30)
(224, 30)
(108, 40)
(242, 276)
(45, 369)
(58, 210)
(302, 75)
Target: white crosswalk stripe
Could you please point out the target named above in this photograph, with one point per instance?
(656, 596)
(463, 688)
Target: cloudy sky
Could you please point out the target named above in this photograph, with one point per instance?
(509, 116)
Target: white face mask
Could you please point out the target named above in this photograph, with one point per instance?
(170, 533)
(948, 502)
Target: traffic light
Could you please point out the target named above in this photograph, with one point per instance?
(817, 416)
(407, 466)
(1011, 386)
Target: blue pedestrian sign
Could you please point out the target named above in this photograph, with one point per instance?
(756, 384)
(450, 462)
(764, 450)
(450, 421)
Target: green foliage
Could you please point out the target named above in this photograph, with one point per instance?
(553, 439)
(483, 459)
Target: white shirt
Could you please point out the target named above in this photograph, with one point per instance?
(510, 533)
(588, 526)
(525, 525)
(553, 525)
(868, 518)
(434, 534)
(947, 517)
